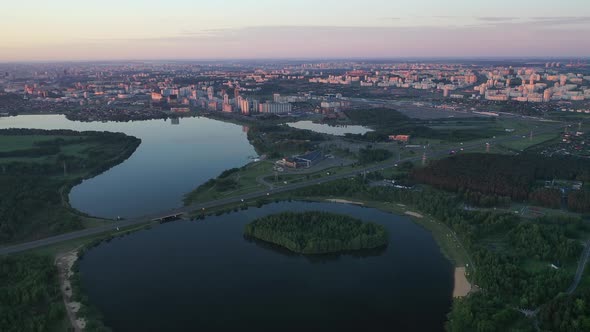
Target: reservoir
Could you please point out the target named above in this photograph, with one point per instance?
(174, 158)
(337, 130)
(205, 276)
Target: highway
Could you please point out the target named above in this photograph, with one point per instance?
(257, 194)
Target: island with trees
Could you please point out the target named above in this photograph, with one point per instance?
(317, 232)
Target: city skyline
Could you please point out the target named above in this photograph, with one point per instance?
(145, 30)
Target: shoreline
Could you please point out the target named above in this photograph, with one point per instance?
(414, 214)
(65, 262)
(461, 286)
(344, 201)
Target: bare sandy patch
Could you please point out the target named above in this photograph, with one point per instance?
(462, 286)
(344, 201)
(414, 214)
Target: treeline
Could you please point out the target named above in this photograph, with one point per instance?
(501, 245)
(59, 132)
(317, 232)
(547, 197)
(475, 198)
(30, 299)
(506, 176)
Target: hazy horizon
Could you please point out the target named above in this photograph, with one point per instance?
(64, 30)
(310, 59)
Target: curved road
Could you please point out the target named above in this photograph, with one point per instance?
(257, 194)
(581, 267)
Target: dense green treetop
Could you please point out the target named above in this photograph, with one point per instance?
(317, 232)
(30, 299)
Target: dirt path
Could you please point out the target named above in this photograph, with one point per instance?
(581, 267)
(64, 263)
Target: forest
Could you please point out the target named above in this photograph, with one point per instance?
(516, 177)
(502, 246)
(279, 140)
(30, 299)
(31, 186)
(317, 232)
(579, 201)
(569, 313)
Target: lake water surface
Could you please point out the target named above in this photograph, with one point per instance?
(205, 276)
(172, 160)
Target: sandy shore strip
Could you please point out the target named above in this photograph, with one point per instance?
(414, 214)
(462, 286)
(344, 201)
(64, 263)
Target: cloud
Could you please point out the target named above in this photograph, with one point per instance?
(496, 18)
(444, 16)
(560, 20)
(542, 23)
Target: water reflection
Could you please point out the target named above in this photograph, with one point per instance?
(318, 258)
(204, 276)
(171, 161)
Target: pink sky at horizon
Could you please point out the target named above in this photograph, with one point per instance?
(377, 29)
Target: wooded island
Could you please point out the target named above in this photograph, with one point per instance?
(317, 232)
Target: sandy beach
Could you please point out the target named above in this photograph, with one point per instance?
(414, 214)
(344, 201)
(64, 263)
(462, 286)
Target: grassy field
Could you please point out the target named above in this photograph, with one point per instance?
(443, 236)
(526, 142)
(11, 143)
(246, 180)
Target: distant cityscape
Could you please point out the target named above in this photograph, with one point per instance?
(142, 90)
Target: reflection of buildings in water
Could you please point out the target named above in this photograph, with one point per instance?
(245, 129)
(175, 121)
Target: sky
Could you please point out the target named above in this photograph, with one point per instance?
(66, 30)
